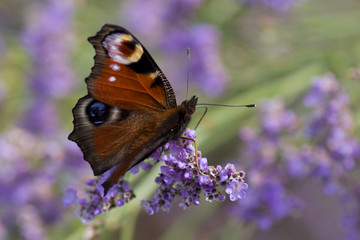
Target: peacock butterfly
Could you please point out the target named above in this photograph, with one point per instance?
(130, 109)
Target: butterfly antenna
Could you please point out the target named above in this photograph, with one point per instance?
(202, 116)
(226, 105)
(187, 71)
(204, 105)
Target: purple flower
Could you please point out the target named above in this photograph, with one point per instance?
(206, 67)
(187, 181)
(236, 190)
(31, 167)
(69, 198)
(47, 38)
(289, 149)
(31, 227)
(95, 203)
(277, 118)
(320, 89)
(41, 117)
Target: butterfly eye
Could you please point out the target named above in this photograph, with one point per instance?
(97, 112)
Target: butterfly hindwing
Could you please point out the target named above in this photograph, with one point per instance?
(111, 136)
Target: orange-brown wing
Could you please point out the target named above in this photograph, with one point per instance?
(130, 107)
(125, 75)
(112, 137)
(109, 136)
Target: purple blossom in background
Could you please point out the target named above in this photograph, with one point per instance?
(174, 35)
(266, 199)
(47, 39)
(31, 168)
(328, 151)
(179, 177)
(350, 220)
(205, 65)
(179, 11)
(35, 157)
(41, 116)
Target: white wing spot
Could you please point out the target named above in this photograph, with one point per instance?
(115, 67)
(112, 79)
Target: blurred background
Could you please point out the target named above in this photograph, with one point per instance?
(298, 60)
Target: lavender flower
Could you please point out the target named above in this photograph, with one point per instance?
(266, 199)
(46, 40)
(95, 204)
(290, 149)
(30, 168)
(205, 64)
(41, 117)
(236, 190)
(182, 177)
(179, 177)
(350, 220)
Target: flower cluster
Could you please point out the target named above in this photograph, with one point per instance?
(95, 203)
(183, 175)
(291, 149)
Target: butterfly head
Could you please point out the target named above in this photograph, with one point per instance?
(190, 105)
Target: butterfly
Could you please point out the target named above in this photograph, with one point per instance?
(130, 109)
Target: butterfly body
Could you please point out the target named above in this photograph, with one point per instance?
(130, 109)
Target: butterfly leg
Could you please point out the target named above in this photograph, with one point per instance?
(206, 109)
(196, 152)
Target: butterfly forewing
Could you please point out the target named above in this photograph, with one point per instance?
(125, 75)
